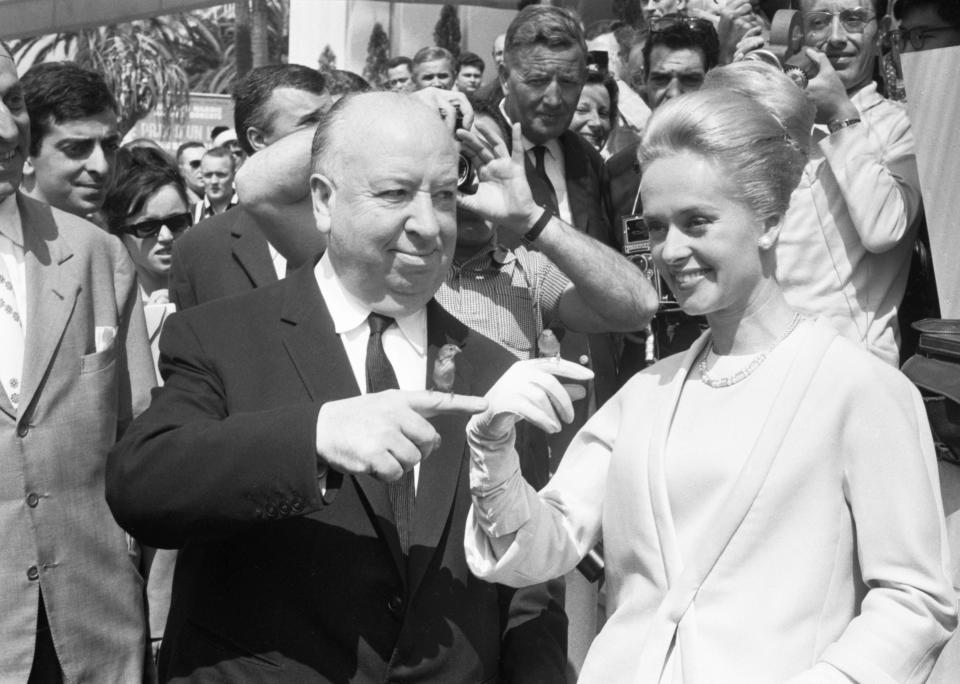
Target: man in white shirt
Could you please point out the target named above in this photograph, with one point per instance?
(844, 251)
(319, 514)
(75, 368)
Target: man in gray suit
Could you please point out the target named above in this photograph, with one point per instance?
(75, 369)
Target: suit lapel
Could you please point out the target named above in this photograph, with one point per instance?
(251, 251)
(440, 473)
(52, 290)
(322, 364)
(575, 170)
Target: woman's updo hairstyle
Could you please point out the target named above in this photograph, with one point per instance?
(763, 162)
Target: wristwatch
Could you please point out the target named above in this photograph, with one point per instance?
(835, 126)
(538, 227)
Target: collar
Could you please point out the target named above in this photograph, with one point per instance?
(553, 146)
(349, 312)
(10, 224)
(234, 199)
(492, 252)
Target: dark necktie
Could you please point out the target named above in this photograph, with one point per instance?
(380, 376)
(550, 201)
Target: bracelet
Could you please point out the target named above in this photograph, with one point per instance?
(835, 126)
(538, 227)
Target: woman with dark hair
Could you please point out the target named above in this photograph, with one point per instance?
(596, 112)
(768, 501)
(147, 208)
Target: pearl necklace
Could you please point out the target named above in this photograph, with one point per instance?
(747, 370)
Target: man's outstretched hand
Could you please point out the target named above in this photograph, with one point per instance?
(386, 433)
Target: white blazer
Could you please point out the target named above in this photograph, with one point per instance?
(827, 563)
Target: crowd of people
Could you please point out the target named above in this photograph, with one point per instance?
(354, 390)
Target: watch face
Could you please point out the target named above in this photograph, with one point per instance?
(835, 126)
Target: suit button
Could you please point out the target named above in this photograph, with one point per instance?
(284, 508)
(271, 510)
(32, 500)
(22, 430)
(298, 504)
(33, 573)
(395, 605)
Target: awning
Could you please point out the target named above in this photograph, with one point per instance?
(22, 18)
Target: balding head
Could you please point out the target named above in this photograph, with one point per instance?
(384, 193)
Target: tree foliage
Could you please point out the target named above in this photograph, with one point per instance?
(378, 52)
(446, 33)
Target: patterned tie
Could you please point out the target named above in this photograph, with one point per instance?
(538, 154)
(380, 376)
(11, 336)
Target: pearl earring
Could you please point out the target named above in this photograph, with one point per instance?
(764, 243)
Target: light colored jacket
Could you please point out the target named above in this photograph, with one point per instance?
(56, 532)
(833, 569)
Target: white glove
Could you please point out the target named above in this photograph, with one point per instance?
(530, 391)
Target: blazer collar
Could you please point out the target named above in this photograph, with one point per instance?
(250, 248)
(52, 289)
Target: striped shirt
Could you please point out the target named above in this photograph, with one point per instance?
(507, 295)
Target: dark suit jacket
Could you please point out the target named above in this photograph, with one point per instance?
(587, 194)
(276, 583)
(224, 255)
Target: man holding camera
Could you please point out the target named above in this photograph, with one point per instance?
(844, 251)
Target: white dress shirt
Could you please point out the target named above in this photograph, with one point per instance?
(553, 164)
(12, 252)
(405, 343)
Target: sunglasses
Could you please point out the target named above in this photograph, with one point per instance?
(853, 20)
(915, 37)
(668, 21)
(177, 223)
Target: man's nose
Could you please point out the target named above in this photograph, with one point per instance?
(423, 216)
(551, 94)
(838, 34)
(9, 132)
(674, 89)
(165, 234)
(99, 161)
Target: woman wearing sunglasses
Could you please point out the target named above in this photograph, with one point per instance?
(147, 209)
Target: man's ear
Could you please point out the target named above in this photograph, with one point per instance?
(256, 138)
(502, 73)
(681, 6)
(323, 195)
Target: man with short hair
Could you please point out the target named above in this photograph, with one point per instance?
(677, 56)
(400, 75)
(315, 539)
(217, 169)
(189, 155)
(844, 251)
(228, 253)
(75, 367)
(433, 68)
(470, 68)
(74, 143)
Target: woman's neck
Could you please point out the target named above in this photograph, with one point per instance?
(755, 329)
(151, 282)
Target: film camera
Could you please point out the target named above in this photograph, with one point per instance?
(785, 48)
(467, 181)
(636, 247)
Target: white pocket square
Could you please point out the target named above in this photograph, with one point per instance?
(104, 336)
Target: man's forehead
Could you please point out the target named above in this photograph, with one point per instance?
(96, 127)
(663, 58)
(834, 5)
(543, 59)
